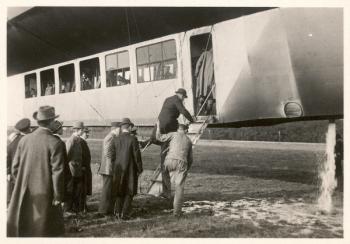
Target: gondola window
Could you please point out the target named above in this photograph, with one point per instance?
(30, 85)
(156, 62)
(90, 77)
(47, 81)
(117, 69)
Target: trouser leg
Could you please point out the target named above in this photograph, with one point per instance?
(127, 205)
(106, 201)
(165, 173)
(119, 202)
(179, 191)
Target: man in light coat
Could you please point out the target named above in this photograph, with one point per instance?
(75, 162)
(177, 162)
(35, 208)
(107, 201)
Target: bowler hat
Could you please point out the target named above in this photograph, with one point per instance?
(78, 125)
(126, 121)
(23, 124)
(115, 124)
(57, 125)
(86, 129)
(45, 113)
(182, 91)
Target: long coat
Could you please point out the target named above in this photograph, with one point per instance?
(128, 164)
(172, 107)
(204, 73)
(75, 155)
(11, 151)
(38, 167)
(106, 166)
(87, 164)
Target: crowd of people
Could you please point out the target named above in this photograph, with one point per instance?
(48, 177)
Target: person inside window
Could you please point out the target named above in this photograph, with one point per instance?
(49, 89)
(85, 82)
(32, 92)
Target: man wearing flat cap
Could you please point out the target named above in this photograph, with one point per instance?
(107, 201)
(75, 162)
(172, 108)
(22, 128)
(127, 168)
(177, 162)
(35, 208)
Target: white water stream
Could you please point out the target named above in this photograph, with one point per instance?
(327, 173)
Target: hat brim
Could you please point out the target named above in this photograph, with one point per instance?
(35, 114)
(126, 123)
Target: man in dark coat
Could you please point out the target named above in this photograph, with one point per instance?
(35, 208)
(339, 156)
(75, 162)
(107, 201)
(127, 168)
(172, 108)
(22, 128)
(86, 166)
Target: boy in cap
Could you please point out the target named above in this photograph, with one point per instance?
(177, 162)
(75, 161)
(22, 128)
(86, 167)
(38, 166)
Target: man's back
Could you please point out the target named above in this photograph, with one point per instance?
(107, 154)
(180, 147)
(171, 109)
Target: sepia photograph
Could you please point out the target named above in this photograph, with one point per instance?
(174, 121)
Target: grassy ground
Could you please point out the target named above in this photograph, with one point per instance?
(246, 191)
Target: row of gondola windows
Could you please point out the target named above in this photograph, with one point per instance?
(154, 62)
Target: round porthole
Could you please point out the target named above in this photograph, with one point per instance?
(293, 109)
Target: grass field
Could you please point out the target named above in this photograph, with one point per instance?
(242, 190)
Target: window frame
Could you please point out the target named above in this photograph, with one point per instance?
(36, 84)
(59, 78)
(42, 91)
(123, 70)
(161, 63)
(81, 72)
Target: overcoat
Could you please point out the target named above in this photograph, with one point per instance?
(106, 166)
(128, 164)
(171, 109)
(204, 73)
(86, 162)
(11, 151)
(38, 168)
(75, 155)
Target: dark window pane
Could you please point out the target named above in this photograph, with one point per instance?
(47, 81)
(90, 74)
(30, 85)
(66, 76)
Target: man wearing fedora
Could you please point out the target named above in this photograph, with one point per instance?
(107, 201)
(86, 166)
(75, 162)
(127, 168)
(22, 128)
(35, 208)
(172, 108)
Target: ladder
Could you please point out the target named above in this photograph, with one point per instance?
(195, 131)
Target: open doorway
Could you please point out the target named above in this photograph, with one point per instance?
(203, 80)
